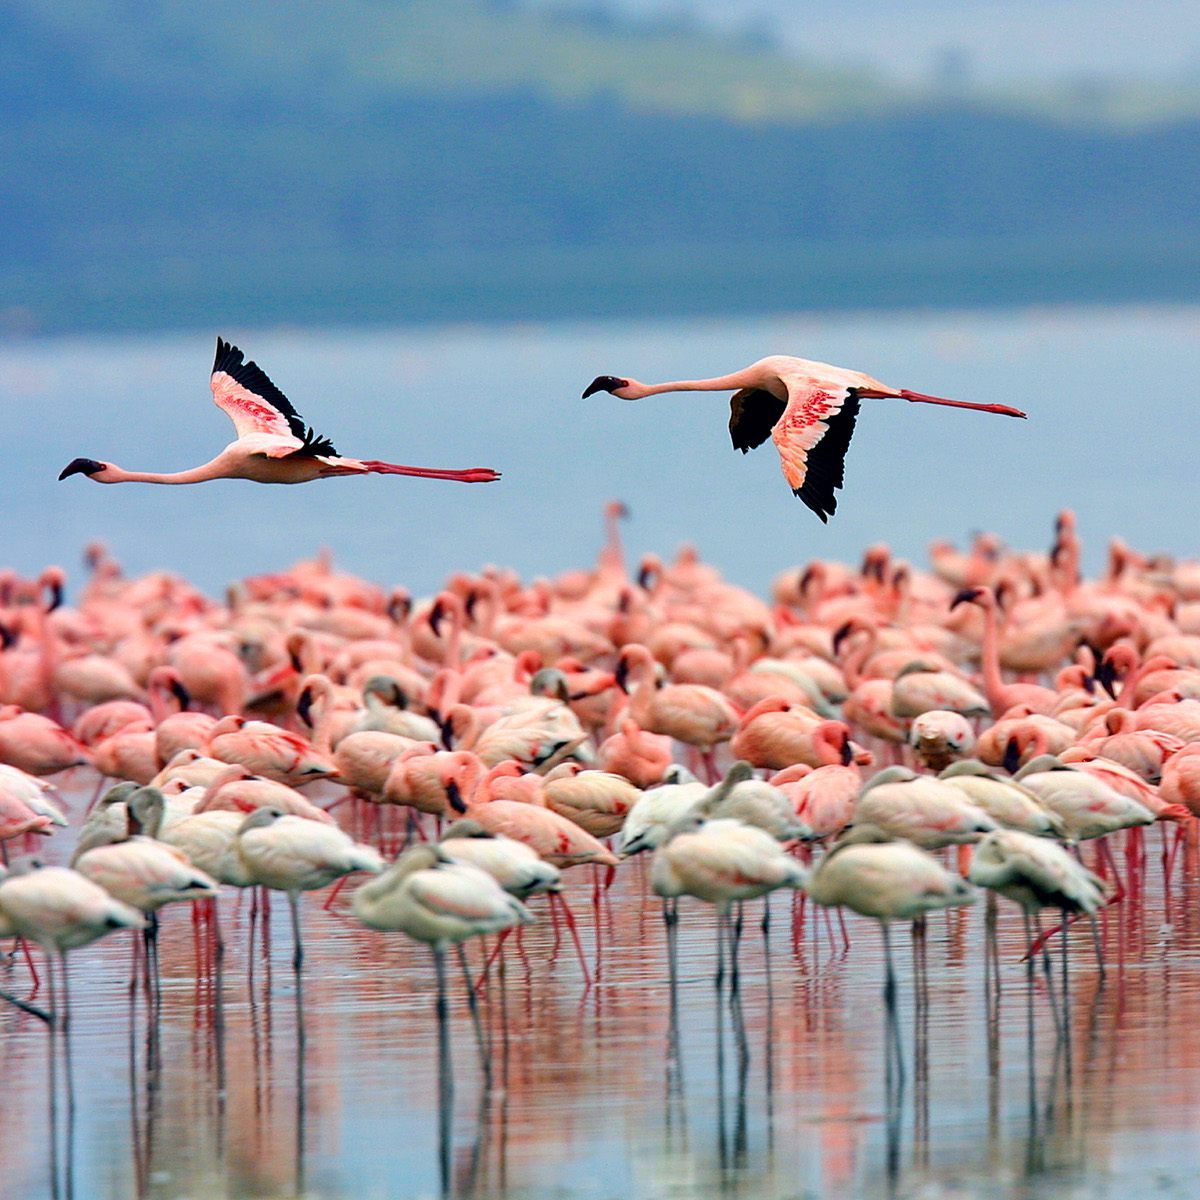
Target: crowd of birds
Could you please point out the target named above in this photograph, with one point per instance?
(880, 738)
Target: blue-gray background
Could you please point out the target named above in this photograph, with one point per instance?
(434, 222)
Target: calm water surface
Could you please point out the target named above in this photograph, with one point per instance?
(587, 1103)
(1112, 431)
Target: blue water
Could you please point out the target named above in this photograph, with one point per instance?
(1112, 430)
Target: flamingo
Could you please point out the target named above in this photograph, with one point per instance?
(36, 744)
(808, 409)
(824, 799)
(689, 712)
(940, 738)
(890, 881)
(926, 811)
(273, 444)
(60, 910)
(1035, 874)
(1003, 799)
(657, 811)
(720, 861)
(1001, 695)
(442, 903)
(517, 868)
(291, 854)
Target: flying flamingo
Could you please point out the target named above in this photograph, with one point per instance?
(273, 444)
(808, 409)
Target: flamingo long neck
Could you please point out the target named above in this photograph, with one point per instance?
(720, 383)
(158, 688)
(464, 721)
(993, 680)
(201, 474)
(1130, 685)
(643, 690)
(49, 652)
(856, 658)
(322, 739)
(612, 557)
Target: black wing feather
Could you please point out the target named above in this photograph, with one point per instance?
(827, 460)
(252, 377)
(753, 413)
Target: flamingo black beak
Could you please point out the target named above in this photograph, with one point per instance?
(436, 615)
(81, 466)
(1106, 677)
(181, 694)
(966, 596)
(842, 633)
(604, 383)
(454, 796)
(56, 596)
(621, 675)
(447, 728)
(304, 707)
(847, 752)
(1012, 757)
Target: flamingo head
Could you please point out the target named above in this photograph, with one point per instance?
(84, 466)
(608, 383)
(969, 595)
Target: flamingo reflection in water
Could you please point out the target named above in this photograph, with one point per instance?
(442, 903)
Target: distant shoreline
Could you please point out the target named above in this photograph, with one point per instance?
(597, 283)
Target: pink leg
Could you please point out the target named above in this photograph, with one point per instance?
(1115, 898)
(487, 966)
(841, 916)
(337, 887)
(37, 981)
(471, 475)
(569, 917)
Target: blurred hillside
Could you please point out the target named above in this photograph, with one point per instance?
(382, 160)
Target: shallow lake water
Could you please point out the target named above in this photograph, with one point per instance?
(588, 1100)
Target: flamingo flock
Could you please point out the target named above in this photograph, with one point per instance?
(880, 739)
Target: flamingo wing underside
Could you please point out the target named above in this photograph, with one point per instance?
(254, 404)
(812, 437)
(753, 413)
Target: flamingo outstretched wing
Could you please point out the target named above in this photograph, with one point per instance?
(812, 437)
(753, 413)
(255, 405)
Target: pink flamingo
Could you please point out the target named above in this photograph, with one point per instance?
(642, 758)
(775, 735)
(273, 444)
(823, 799)
(688, 712)
(1002, 696)
(37, 744)
(808, 409)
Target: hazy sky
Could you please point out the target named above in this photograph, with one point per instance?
(1005, 39)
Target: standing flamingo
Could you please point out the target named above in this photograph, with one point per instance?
(891, 881)
(808, 409)
(273, 444)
